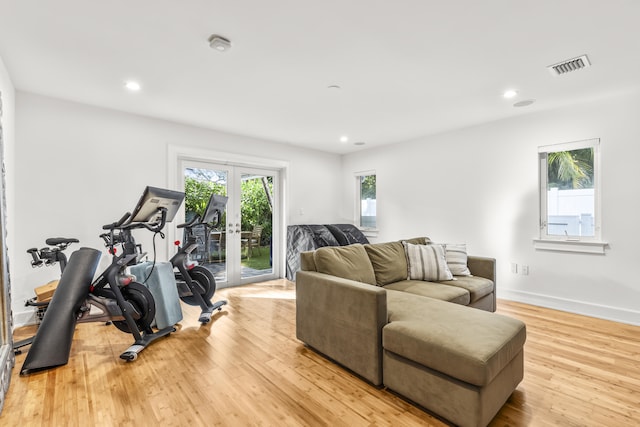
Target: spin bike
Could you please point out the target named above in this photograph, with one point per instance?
(127, 304)
(196, 284)
(115, 294)
(53, 254)
(48, 256)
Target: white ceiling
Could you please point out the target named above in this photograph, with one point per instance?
(406, 68)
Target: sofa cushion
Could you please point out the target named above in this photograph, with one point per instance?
(417, 240)
(464, 343)
(349, 262)
(432, 290)
(389, 262)
(426, 262)
(478, 287)
(456, 254)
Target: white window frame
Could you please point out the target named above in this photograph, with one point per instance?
(368, 231)
(588, 244)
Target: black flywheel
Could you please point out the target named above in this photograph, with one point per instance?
(142, 301)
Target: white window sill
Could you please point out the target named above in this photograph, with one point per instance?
(369, 232)
(590, 247)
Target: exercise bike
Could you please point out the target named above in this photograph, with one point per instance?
(48, 256)
(196, 284)
(115, 294)
(52, 254)
(128, 305)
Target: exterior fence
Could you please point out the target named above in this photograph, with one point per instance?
(571, 212)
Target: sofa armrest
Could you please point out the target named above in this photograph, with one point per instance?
(482, 267)
(342, 319)
(307, 261)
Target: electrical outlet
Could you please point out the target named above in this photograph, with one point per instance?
(514, 268)
(525, 270)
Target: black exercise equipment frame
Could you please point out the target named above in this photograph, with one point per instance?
(47, 256)
(115, 277)
(187, 286)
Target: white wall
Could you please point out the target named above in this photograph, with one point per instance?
(479, 185)
(78, 167)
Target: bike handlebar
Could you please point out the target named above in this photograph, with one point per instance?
(122, 224)
(124, 237)
(118, 223)
(190, 223)
(157, 226)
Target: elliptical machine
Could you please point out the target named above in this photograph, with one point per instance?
(128, 305)
(196, 284)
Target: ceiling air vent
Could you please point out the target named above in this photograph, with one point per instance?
(569, 65)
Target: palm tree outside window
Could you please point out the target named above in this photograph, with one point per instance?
(569, 196)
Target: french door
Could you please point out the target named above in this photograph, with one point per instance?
(243, 247)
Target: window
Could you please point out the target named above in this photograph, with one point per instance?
(366, 206)
(569, 196)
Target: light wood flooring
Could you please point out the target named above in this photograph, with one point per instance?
(246, 368)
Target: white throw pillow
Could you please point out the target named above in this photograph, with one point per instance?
(426, 262)
(456, 255)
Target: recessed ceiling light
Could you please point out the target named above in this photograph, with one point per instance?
(359, 143)
(334, 87)
(344, 139)
(524, 103)
(132, 86)
(510, 94)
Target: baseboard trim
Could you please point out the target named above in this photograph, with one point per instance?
(616, 314)
(24, 318)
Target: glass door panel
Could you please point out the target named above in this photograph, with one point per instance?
(240, 248)
(256, 212)
(200, 181)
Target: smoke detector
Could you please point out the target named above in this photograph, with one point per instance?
(219, 43)
(569, 65)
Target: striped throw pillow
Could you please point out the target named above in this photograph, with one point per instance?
(456, 255)
(426, 262)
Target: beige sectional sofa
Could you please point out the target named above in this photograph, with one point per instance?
(439, 344)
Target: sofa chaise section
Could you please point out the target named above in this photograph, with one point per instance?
(459, 363)
(436, 343)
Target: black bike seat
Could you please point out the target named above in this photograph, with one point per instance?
(55, 241)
